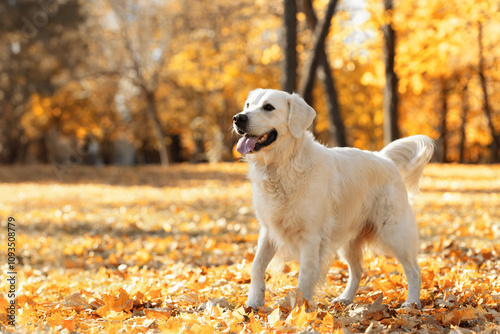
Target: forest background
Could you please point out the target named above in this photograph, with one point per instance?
(132, 82)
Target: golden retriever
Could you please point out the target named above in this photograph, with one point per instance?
(313, 201)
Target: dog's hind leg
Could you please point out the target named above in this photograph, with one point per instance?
(412, 272)
(353, 254)
(264, 255)
(402, 241)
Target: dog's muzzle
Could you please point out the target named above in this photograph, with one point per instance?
(250, 142)
(240, 121)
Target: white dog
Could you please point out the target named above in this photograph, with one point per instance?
(313, 201)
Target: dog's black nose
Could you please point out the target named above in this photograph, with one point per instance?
(240, 120)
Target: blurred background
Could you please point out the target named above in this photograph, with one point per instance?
(147, 81)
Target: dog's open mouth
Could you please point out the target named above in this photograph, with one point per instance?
(249, 144)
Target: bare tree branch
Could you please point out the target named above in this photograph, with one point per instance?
(336, 127)
(320, 33)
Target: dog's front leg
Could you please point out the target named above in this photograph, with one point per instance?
(310, 267)
(265, 252)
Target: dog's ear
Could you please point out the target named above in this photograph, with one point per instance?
(300, 116)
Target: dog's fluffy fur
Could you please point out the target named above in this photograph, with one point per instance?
(314, 201)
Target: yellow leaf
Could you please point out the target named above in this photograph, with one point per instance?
(213, 311)
(171, 326)
(238, 314)
(294, 298)
(118, 315)
(274, 318)
(299, 316)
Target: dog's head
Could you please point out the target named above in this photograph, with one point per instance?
(270, 116)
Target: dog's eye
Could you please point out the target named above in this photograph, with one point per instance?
(268, 107)
(248, 105)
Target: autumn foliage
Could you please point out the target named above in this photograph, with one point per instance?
(152, 250)
(150, 73)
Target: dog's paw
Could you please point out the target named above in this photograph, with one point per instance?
(256, 295)
(343, 301)
(255, 302)
(412, 305)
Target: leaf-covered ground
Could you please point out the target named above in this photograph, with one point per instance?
(150, 250)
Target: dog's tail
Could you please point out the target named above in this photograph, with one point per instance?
(410, 155)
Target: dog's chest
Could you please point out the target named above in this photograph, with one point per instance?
(270, 188)
(276, 203)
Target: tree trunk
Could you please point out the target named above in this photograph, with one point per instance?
(319, 35)
(289, 71)
(390, 104)
(336, 127)
(156, 126)
(465, 111)
(444, 127)
(495, 142)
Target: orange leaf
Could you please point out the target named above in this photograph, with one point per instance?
(255, 325)
(386, 268)
(69, 325)
(189, 318)
(55, 319)
(202, 329)
(156, 313)
(456, 316)
(299, 316)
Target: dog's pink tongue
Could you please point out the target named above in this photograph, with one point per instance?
(246, 144)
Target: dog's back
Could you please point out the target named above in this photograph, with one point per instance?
(410, 155)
